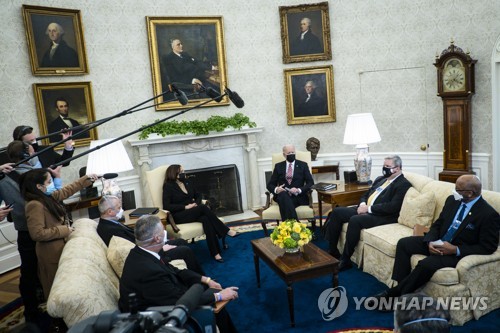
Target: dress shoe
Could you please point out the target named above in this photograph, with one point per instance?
(220, 260)
(344, 265)
(235, 235)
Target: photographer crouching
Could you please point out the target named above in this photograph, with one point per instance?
(156, 283)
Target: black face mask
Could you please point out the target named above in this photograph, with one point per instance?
(290, 158)
(34, 145)
(182, 177)
(387, 172)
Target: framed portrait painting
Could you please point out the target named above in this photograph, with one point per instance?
(305, 33)
(65, 105)
(188, 53)
(55, 41)
(309, 95)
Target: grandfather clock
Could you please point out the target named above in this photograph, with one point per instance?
(455, 77)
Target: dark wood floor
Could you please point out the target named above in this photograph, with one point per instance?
(9, 286)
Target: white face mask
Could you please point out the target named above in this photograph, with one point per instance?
(457, 195)
(119, 215)
(165, 239)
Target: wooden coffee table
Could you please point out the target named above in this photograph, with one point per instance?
(345, 195)
(312, 262)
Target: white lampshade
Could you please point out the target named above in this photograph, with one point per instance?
(361, 129)
(112, 158)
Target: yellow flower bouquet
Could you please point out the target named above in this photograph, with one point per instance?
(290, 235)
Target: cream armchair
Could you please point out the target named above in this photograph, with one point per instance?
(155, 179)
(271, 210)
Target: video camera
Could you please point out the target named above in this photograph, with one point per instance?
(184, 317)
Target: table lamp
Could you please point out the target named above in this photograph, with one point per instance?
(360, 130)
(112, 158)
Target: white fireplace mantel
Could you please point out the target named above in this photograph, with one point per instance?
(230, 146)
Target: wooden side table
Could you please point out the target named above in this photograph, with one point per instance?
(333, 168)
(344, 195)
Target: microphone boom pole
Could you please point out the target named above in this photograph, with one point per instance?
(133, 132)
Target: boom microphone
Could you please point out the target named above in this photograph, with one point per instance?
(211, 92)
(235, 98)
(109, 175)
(179, 94)
(184, 306)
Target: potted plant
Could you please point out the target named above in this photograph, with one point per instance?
(291, 235)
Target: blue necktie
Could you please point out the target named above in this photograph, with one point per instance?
(454, 226)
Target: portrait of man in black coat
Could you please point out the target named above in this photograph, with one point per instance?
(306, 42)
(63, 121)
(310, 103)
(59, 53)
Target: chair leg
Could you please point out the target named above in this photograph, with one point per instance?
(224, 245)
(313, 227)
(264, 227)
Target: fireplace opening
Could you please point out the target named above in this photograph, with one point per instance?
(220, 186)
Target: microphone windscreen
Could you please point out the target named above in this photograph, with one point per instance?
(235, 98)
(109, 175)
(191, 297)
(212, 93)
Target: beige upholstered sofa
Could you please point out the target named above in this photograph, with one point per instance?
(87, 279)
(474, 276)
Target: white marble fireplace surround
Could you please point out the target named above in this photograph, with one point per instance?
(237, 147)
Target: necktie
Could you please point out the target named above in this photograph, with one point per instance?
(454, 226)
(377, 192)
(308, 98)
(289, 174)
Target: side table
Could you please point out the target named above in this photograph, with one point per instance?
(344, 195)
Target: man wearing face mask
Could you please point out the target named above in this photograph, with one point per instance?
(290, 182)
(378, 206)
(467, 225)
(111, 211)
(50, 157)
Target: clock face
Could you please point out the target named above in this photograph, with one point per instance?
(453, 76)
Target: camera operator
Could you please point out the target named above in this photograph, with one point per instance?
(157, 283)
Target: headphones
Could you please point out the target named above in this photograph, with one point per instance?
(22, 132)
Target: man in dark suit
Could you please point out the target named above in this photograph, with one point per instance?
(467, 225)
(181, 67)
(156, 283)
(378, 206)
(64, 121)
(110, 208)
(310, 103)
(50, 157)
(59, 53)
(306, 42)
(290, 182)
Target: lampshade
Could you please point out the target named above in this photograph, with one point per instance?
(361, 129)
(112, 158)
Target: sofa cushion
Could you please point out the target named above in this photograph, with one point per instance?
(385, 237)
(118, 251)
(446, 276)
(417, 208)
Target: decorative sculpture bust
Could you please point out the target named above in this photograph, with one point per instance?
(312, 145)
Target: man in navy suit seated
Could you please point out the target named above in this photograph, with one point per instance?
(467, 225)
(110, 208)
(290, 182)
(380, 205)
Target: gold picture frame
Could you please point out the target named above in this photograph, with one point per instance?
(50, 103)
(47, 27)
(200, 54)
(305, 33)
(310, 96)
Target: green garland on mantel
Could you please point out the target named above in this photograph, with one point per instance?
(198, 127)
